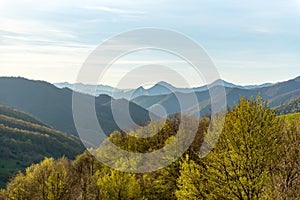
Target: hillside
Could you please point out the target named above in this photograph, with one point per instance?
(276, 94)
(24, 140)
(252, 140)
(291, 117)
(7, 111)
(53, 106)
(290, 107)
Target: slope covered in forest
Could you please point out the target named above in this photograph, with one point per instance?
(292, 106)
(25, 140)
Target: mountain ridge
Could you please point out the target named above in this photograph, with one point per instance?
(159, 88)
(275, 94)
(53, 106)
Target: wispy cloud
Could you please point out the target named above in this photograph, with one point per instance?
(263, 30)
(114, 10)
(60, 34)
(18, 26)
(27, 29)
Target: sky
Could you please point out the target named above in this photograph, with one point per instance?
(250, 42)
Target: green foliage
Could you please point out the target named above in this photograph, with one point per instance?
(192, 183)
(241, 163)
(84, 178)
(119, 185)
(160, 132)
(2, 194)
(23, 143)
(247, 150)
(291, 117)
(13, 113)
(161, 184)
(84, 173)
(47, 180)
(286, 175)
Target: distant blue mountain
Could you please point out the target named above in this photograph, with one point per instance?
(53, 106)
(161, 88)
(275, 94)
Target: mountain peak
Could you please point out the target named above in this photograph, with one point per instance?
(224, 83)
(164, 84)
(141, 88)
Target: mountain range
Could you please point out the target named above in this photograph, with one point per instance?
(275, 94)
(36, 119)
(53, 106)
(159, 88)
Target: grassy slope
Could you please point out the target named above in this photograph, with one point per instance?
(292, 116)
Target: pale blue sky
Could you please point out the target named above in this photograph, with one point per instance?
(250, 42)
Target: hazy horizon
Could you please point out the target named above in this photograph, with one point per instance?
(147, 86)
(249, 42)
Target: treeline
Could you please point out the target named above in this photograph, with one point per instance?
(256, 157)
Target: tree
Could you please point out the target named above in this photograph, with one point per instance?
(118, 185)
(2, 194)
(85, 178)
(192, 183)
(18, 188)
(49, 180)
(59, 181)
(286, 176)
(241, 164)
(161, 184)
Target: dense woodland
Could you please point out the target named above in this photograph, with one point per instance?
(256, 157)
(25, 140)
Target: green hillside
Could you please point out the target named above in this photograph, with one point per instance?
(292, 117)
(25, 140)
(7, 111)
(292, 106)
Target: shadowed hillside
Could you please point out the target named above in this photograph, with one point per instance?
(23, 142)
(289, 107)
(53, 106)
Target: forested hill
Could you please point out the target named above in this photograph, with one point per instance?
(9, 112)
(290, 107)
(255, 157)
(25, 140)
(53, 106)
